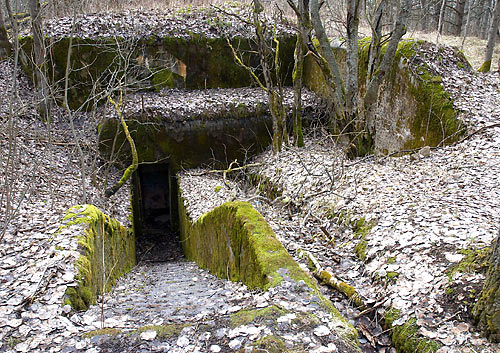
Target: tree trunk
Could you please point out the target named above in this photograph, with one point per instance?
(440, 22)
(492, 36)
(486, 312)
(485, 18)
(467, 23)
(376, 27)
(5, 47)
(351, 106)
(39, 60)
(330, 66)
(424, 18)
(388, 60)
(275, 96)
(304, 23)
(459, 16)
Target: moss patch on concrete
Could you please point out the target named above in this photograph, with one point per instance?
(270, 344)
(102, 331)
(413, 109)
(148, 63)
(220, 136)
(234, 241)
(102, 237)
(405, 337)
(247, 316)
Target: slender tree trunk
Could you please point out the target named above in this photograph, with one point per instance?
(275, 96)
(376, 27)
(459, 16)
(492, 36)
(329, 65)
(485, 18)
(486, 312)
(467, 23)
(351, 106)
(40, 65)
(382, 73)
(440, 23)
(424, 18)
(5, 47)
(304, 23)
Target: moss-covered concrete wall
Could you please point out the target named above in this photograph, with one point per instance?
(150, 63)
(107, 251)
(234, 241)
(188, 144)
(413, 109)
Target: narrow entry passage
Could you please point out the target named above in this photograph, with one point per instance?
(155, 238)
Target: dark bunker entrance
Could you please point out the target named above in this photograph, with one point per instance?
(154, 200)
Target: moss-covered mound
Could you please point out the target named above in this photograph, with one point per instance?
(413, 109)
(167, 49)
(107, 251)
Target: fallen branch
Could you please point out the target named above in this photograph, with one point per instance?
(328, 278)
(228, 170)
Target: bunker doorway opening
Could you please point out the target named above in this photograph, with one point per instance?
(154, 201)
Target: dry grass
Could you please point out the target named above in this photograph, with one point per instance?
(473, 47)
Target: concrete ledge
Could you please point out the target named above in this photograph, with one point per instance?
(107, 251)
(234, 241)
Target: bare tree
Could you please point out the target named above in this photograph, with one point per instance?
(303, 40)
(39, 60)
(351, 117)
(492, 36)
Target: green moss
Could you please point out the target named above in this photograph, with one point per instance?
(405, 337)
(434, 120)
(118, 251)
(392, 276)
(247, 316)
(164, 78)
(234, 241)
(265, 186)
(360, 249)
(270, 344)
(13, 341)
(102, 331)
(391, 260)
(474, 261)
(218, 188)
(163, 331)
(485, 67)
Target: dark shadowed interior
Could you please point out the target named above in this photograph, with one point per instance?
(154, 202)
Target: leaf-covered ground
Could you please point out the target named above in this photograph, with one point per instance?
(412, 232)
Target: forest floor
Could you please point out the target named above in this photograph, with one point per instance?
(422, 216)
